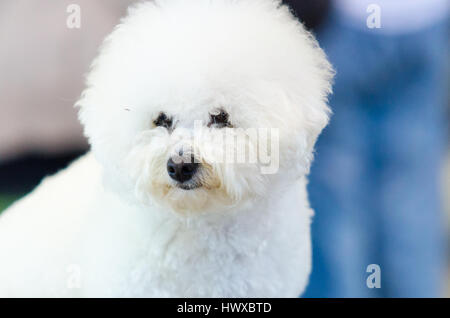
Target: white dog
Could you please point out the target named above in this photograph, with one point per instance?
(148, 212)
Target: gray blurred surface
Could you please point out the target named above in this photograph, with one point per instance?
(42, 65)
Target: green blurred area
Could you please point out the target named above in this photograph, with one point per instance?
(6, 201)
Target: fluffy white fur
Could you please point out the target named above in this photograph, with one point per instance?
(115, 224)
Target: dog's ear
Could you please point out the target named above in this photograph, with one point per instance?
(306, 136)
(315, 112)
(312, 116)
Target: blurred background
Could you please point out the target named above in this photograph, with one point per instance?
(380, 183)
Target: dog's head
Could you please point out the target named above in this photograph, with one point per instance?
(204, 105)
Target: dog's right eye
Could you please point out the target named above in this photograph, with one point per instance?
(163, 121)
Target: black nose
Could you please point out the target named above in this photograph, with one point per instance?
(183, 171)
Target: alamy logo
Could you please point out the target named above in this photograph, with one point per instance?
(259, 146)
(74, 276)
(374, 19)
(74, 19)
(374, 279)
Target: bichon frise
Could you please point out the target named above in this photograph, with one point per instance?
(161, 206)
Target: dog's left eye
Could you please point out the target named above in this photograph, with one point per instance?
(163, 121)
(219, 119)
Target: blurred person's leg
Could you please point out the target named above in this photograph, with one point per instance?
(368, 193)
(411, 132)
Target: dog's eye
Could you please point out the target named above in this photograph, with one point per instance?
(219, 119)
(163, 121)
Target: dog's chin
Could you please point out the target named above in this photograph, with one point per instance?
(188, 186)
(192, 198)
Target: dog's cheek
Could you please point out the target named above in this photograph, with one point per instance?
(242, 181)
(145, 167)
(232, 182)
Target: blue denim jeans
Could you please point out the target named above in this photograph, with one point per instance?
(375, 182)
